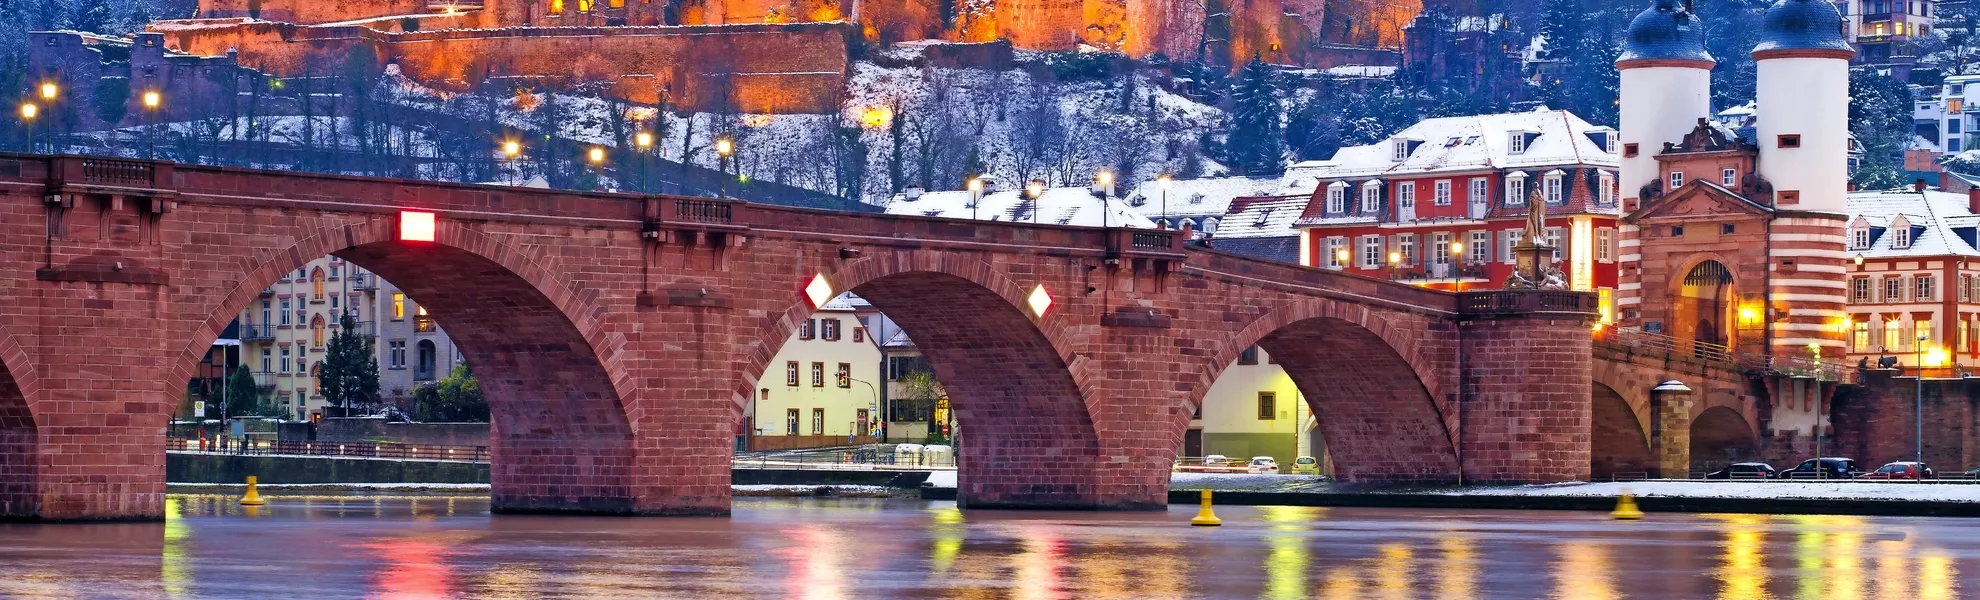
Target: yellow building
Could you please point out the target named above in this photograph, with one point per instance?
(821, 388)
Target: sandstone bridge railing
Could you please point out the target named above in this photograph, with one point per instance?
(1724, 357)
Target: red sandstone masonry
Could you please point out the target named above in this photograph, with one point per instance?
(616, 366)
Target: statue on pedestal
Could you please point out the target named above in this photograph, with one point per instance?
(1533, 257)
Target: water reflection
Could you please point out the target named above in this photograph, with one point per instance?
(435, 547)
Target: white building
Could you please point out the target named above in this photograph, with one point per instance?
(1254, 409)
(1199, 205)
(821, 389)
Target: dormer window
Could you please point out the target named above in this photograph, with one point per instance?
(1516, 143)
(1401, 150)
(1901, 239)
(1516, 189)
(1554, 188)
(1336, 198)
(1371, 196)
(1859, 238)
(1677, 179)
(1605, 192)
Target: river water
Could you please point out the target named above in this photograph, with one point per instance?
(450, 547)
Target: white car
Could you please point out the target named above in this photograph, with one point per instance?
(1263, 464)
(1215, 460)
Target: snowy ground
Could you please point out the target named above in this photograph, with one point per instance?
(844, 491)
(1759, 490)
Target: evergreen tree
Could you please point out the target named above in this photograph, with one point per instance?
(454, 399)
(1255, 145)
(1880, 118)
(349, 375)
(243, 398)
(90, 15)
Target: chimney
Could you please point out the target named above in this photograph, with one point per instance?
(1918, 185)
(1973, 199)
(913, 193)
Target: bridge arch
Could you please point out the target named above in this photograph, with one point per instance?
(560, 435)
(1026, 423)
(1619, 440)
(20, 459)
(1720, 435)
(1341, 355)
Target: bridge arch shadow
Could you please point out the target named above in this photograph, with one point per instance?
(1373, 394)
(1025, 431)
(20, 461)
(1618, 441)
(1721, 436)
(560, 438)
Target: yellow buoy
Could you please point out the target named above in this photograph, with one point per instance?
(1626, 509)
(253, 497)
(1205, 518)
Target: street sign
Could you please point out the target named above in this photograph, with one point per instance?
(240, 429)
(199, 409)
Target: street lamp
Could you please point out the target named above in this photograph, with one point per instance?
(975, 195)
(1034, 191)
(1165, 180)
(1918, 399)
(48, 92)
(28, 112)
(1457, 258)
(512, 151)
(1105, 181)
(1395, 260)
(151, 100)
(1341, 257)
(1859, 260)
(596, 156)
(724, 147)
(644, 141)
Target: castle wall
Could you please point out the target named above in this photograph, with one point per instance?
(798, 68)
(308, 11)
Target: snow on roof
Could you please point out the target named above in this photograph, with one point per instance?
(1361, 71)
(1202, 197)
(1057, 206)
(845, 302)
(1477, 142)
(1263, 217)
(1937, 212)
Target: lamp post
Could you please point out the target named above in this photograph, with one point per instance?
(1341, 257)
(1918, 399)
(48, 93)
(1395, 261)
(975, 195)
(644, 141)
(724, 147)
(596, 156)
(1034, 191)
(1105, 189)
(151, 101)
(1457, 259)
(28, 112)
(512, 151)
(1164, 180)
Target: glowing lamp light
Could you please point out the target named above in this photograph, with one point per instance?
(28, 111)
(597, 155)
(818, 292)
(1165, 180)
(511, 148)
(1936, 357)
(1039, 301)
(643, 139)
(415, 226)
(151, 99)
(48, 91)
(975, 184)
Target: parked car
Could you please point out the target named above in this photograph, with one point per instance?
(1745, 470)
(1973, 473)
(1823, 468)
(1216, 460)
(1263, 464)
(1306, 465)
(1901, 470)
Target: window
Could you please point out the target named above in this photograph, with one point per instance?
(859, 335)
(421, 322)
(1860, 336)
(1371, 251)
(1727, 229)
(1860, 289)
(398, 306)
(1893, 289)
(1789, 140)
(1728, 177)
(1605, 244)
(1516, 143)
(1507, 239)
(285, 312)
(844, 378)
(1440, 248)
(266, 312)
(1478, 193)
(1785, 197)
(818, 374)
(829, 329)
(1401, 151)
(1859, 238)
(335, 270)
(1902, 237)
(316, 330)
(285, 359)
(1924, 289)
(791, 373)
(1554, 188)
(808, 329)
(316, 283)
(1965, 287)
(1406, 194)
(1677, 179)
(1605, 192)
(1268, 406)
(1337, 198)
(396, 353)
(1952, 145)
(791, 422)
(1443, 192)
(1677, 231)
(333, 301)
(818, 421)
(1554, 239)
(1480, 247)
(1921, 329)
(1337, 253)
(1371, 197)
(1629, 150)
(1516, 189)
(267, 359)
(299, 398)
(1248, 356)
(1406, 245)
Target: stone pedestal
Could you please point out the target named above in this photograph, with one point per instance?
(1670, 429)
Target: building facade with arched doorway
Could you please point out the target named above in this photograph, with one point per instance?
(412, 347)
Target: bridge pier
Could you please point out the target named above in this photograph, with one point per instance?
(1670, 429)
(1525, 411)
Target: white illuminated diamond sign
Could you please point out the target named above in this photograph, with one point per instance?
(818, 291)
(1039, 300)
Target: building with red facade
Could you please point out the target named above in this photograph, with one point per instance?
(1441, 203)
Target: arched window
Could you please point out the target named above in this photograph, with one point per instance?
(316, 282)
(316, 329)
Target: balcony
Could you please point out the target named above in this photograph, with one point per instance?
(424, 324)
(263, 381)
(268, 291)
(1433, 273)
(363, 282)
(367, 329)
(251, 332)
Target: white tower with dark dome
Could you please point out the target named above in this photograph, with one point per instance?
(1802, 94)
(1666, 88)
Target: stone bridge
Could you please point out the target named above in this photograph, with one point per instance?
(617, 337)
